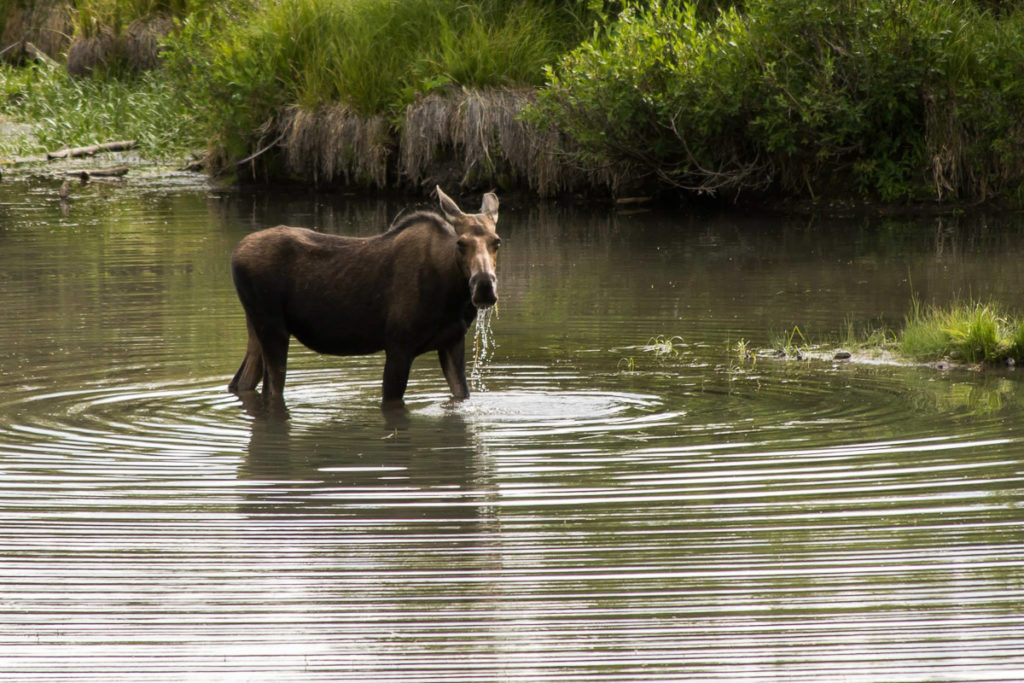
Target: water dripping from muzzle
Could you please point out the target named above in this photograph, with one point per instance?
(483, 347)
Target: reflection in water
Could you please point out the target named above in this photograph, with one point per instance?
(691, 517)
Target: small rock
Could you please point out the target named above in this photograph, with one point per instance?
(842, 355)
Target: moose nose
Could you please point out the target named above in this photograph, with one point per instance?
(483, 287)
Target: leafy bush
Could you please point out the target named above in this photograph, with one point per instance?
(894, 99)
(241, 69)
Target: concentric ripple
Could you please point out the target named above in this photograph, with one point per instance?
(592, 512)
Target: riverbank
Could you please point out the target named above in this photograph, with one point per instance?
(762, 102)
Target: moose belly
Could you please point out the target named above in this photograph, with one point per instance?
(338, 340)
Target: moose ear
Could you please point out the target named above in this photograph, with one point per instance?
(448, 205)
(490, 206)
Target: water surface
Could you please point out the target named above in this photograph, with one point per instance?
(595, 511)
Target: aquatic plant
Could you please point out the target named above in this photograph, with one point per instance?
(662, 345)
(744, 352)
(790, 343)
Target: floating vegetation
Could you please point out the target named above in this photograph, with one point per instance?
(664, 346)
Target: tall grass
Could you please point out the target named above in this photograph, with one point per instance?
(967, 331)
(70, 111)
(92, 16)
(243, 69)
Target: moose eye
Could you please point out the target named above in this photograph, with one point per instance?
(496, 243)
(463, 246)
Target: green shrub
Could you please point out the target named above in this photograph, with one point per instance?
(895, 100)
(243, 68)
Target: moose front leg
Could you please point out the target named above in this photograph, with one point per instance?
(453, 365)
(397, 365)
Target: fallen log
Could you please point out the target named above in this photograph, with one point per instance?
(87, 174)
(13, 46)
(70, 152)
(38, 55)
(37, 159)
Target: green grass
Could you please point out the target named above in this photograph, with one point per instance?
(969, 331)
(966, 331)
(90, 16)
(68, 111)
(241, 69)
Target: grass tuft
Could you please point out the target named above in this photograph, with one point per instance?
(968, 331)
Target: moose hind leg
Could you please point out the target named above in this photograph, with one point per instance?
(275, 361)
(250, 372)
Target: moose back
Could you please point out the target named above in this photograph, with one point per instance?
(412, 289)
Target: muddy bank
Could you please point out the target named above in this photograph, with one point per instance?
(469, 138)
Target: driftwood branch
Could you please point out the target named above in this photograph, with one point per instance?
(38, 55)
(23, 48)
(87, 174)
(12, 46)
(260, 152)
(70, 152)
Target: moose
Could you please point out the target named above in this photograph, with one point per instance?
(412, 289)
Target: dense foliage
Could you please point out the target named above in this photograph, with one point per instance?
(884, 99)
(240, 67)
(893, 99)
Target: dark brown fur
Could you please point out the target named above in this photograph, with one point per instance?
(412, 289)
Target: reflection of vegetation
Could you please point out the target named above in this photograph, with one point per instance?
(980, 397)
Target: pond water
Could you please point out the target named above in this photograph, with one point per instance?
(595, 511)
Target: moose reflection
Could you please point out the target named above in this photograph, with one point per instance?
(412, 289)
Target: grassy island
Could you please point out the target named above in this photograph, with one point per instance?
(966, 332)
